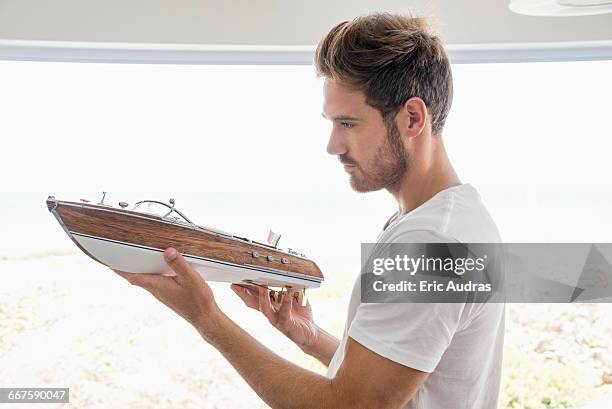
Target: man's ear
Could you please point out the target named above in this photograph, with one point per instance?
(414, 117)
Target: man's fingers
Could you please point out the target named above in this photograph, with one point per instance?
(297, 295)
(184, 272)
(284, 312)
(169, 274)
(249, 296)
(265, 306)
(245, 291)
(146, 281)
(133, 278)
(254, 289)
(303, 300)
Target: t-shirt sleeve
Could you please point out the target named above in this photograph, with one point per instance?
(412, 334)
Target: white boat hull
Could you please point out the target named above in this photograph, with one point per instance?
(140, 259)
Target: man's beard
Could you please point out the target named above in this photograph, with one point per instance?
(388, 167)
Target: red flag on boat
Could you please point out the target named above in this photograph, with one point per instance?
(273, 238)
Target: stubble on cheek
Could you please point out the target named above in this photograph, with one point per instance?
(384, 171)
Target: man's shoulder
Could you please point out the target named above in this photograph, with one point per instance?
(454, 215)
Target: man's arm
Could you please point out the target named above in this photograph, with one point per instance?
(364, 380)
(324, 348)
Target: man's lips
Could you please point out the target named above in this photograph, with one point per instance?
(347, 162)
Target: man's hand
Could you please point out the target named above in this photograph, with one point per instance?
(185, 291)
(364, 379)
(292, 319)
(288, 316)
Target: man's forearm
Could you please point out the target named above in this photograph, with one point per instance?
(364, 380)
(280, 383)
(325, 347)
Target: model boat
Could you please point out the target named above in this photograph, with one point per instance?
(134, 241)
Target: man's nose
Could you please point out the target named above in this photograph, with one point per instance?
(335, 146)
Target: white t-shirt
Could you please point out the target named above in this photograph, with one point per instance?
(460, 344)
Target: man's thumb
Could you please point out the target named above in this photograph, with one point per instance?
(177, 262)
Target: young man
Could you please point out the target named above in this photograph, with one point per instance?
(388, 90)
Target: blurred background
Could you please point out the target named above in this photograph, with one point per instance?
(242, 148)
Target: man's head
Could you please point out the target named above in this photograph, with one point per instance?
(387, 82)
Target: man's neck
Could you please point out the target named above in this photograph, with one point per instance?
(424, 179)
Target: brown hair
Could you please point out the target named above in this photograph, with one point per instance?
(391, 58)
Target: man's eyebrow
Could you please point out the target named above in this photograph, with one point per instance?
(340, 117)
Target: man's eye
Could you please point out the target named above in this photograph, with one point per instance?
(347, 125)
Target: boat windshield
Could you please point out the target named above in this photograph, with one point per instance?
(160, 209)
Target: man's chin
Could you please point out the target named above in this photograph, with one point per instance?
(361, 186)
